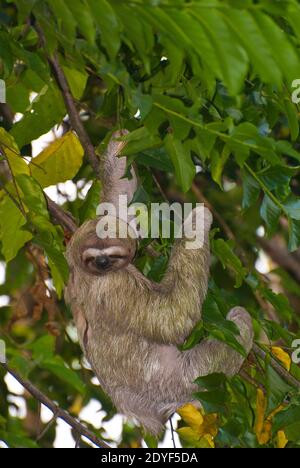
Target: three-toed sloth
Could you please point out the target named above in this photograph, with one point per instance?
(130, 328)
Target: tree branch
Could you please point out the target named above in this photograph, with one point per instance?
(280, 255)
(7, 115)
(61, 216)
(74, 116)
(202, 199)
(290, 379)
(58, 412)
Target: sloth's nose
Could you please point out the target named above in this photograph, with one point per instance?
(102, 261)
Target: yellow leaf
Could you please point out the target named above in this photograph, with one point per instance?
(135, 444)
(275, 411)
(261, 405)
(281, 439)
(209, 440)
(263, 424)
(203, 427)
(266, 433)
(282, 356)
(76, 406)
(8, 146)
(191, 415)
(59, 162)
(188, 434)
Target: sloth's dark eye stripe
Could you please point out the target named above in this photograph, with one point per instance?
(89, 260)
(117, 256)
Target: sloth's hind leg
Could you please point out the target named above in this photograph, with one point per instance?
(212, 356)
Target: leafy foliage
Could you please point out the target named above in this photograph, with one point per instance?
(205, 88)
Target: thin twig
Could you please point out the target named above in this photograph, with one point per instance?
(280, 255)
(61, 216)
(251, 381)
(46, 428)
(290, 379)
(58, 412)
(160, 189)
(172, 432)
(2, 151)
(199, 195)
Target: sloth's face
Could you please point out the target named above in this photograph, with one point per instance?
(100, 256)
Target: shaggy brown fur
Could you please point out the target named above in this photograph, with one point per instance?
(129, 327)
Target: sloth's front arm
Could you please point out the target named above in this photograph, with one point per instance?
(169, 310)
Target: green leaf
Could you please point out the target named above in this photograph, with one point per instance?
(229, 260)
(195, 337)
(59, 162)
(174, 70)
(251, 37)
(279, 302)
(58, 265)
(211, 382)
(21, 365)
(245, 138)
(46, 111)
(197, 35)
(34, 196)
(47, 235)
(233, 60)
(57, 366)
(13, 237)
(218, 162)
(158, 268)
(84, 17)
(213, 401)
(286, 418)
(17, 441)
(141, 102)
(140, 140)
(292, 432)
(293, 118)
(6, 59)
(277, 389)
(218, 327)
(292, 206)
(17, 97)
(77, 81)
(251, 190)
(108, 24)
(92, 199)
(66, 21)
(294, 232)
(9, 147)
(286, 148)
(270, 213)
(43, 348)
(157, 158)
(151, 441)
(138, 32)
(283, 52)
(184, 167)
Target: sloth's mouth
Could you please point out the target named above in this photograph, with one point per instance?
(93, 259)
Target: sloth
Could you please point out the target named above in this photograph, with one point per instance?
(131, 328)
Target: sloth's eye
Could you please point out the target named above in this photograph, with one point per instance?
(102, 261)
